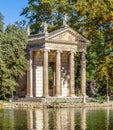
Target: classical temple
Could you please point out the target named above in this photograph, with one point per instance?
(51, 63)
(50, 69)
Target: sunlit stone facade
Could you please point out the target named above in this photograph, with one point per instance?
(51, 63)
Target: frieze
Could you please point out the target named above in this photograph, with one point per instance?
(62, 47)
(35, 47)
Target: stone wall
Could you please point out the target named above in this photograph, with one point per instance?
(65, 75)
(38, 75)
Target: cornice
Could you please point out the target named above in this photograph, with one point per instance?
(66, 42)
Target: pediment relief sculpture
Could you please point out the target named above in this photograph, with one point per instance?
(66, 36)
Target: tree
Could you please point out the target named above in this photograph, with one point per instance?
(51, 11)
(96, 20)
(1, 22)
(13, 58)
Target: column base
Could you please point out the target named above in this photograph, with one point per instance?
(84, 94)
(29, 96)
(45, 96)
(72, 95)
(58, 95)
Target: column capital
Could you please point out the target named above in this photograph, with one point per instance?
(30, 51)
(30, 54)
(45, 50)
(72, 52)
(59, 51)
(84, 52)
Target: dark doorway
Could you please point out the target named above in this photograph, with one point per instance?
(51, 78)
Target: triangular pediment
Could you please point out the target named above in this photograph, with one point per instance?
(66, 35)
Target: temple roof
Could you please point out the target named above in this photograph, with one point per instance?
(64, 34)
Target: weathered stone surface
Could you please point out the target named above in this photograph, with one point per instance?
(55, 50)
(55, 103)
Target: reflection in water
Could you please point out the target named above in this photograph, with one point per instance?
(107, 120)
(30, 119)
(57, 119)
(83, 119)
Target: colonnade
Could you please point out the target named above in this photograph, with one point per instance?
(57, 74)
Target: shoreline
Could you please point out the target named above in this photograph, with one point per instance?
(53, 105)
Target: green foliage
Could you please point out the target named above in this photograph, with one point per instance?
(12, 58)
(96, 20)
(51, 11)
(1, 22)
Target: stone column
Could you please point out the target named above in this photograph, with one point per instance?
(45, 74)
(83, 73)
(72, 75)
(34, 72)
(30, 75)
(58, 73)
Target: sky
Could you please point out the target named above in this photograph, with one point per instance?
(11, 10)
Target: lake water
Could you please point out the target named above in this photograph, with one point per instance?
(57, 119)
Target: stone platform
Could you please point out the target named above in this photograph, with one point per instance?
(55, 99)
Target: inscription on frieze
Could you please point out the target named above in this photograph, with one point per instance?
(64, 47)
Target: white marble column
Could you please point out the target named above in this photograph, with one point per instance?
(34, 72)
(30, 75)
(83, 73)
(58, 73)
(72, 75)
(45, 74)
